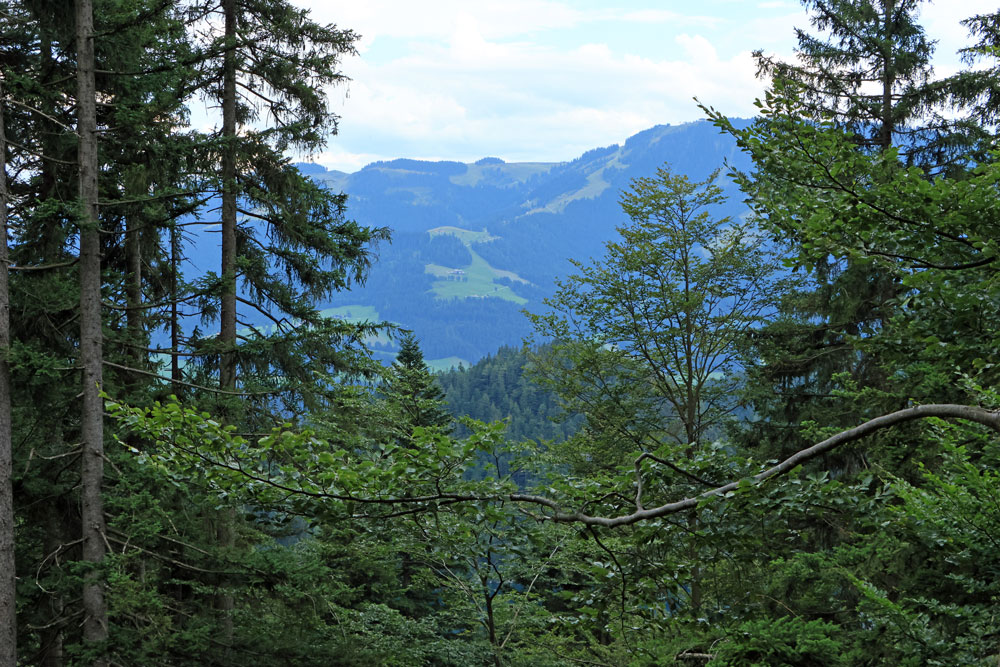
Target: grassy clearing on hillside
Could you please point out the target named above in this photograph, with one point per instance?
(592, 190)
(355, 313)
(475, 282)
(508, 171)
(500, 273)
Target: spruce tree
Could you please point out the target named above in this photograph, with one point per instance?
(866, 72)
(867, 69)
(413, 390)
(285, 239)
(8, 587)
(95, 619)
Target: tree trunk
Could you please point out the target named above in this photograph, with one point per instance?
(135, 188)
(491, 625)
(55, 536)
(95, 622)
(888, 78)
(227, 332)
(175, 325)
(8, 617)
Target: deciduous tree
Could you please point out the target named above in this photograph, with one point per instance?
(649, 341)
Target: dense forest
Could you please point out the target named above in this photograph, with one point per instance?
(501, 387)
(780, 438)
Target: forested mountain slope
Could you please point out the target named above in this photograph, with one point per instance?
(499, 387)
(474, 244)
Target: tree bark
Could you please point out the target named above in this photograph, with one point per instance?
(134, 189)
(491, 625)
(175, 325)
(95, 622)
(227, 332)
(888, 78)
(8, 617)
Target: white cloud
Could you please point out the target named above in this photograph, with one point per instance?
(661, 16)
(472, 97)
(942, 22)
(437, 20)
(548, 79)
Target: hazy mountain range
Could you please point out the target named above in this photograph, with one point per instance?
(475, 244)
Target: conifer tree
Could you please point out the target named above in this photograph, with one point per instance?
(285, 240)
(867, 69)
(95, 620)
(8, 588)
(867, 72)
(412, 388)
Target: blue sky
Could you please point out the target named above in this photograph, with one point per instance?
(545, 80)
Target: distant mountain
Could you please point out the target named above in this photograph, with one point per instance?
(474, 244)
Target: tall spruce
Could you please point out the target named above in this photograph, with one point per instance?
(867, 69)
(414, 391)
(63, 242)
(8, 582)
(38, 71)
(285, 240)
(95, 620)
(867, 72)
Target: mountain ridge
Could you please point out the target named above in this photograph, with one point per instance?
(513, 228)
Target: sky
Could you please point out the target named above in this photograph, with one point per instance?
(546, 80)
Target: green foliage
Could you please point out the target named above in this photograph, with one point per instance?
(880, 194)
(783, 642)
(649, 340)
(334, 517)
(411, 388)
(868, 70)
(500, 387)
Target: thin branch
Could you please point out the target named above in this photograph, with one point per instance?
(990, 418)
(677, 469)
(43, 267)
(40, 155)
(705, 657)
(44, 115)
(189, 384)
(527, 591)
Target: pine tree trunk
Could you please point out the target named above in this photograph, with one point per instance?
(133, 286)
(227, 333)
(888, 81)
(95, 622)
(8, 617)
(175, 325)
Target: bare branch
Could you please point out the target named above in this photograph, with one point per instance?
(990, 418)
(189, 384)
